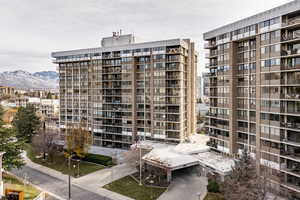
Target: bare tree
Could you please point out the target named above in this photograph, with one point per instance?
(132, 157)
(244, 182)
(45, 144)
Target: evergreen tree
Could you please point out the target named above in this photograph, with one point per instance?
(1, 112)
(26, 123)
(11, 146)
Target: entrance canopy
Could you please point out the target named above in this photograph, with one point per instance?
(191, 153)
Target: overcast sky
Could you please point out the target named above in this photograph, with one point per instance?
(32, 29)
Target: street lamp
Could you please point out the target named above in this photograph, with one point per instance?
(151, 182)
(69, 177)
(199, 195)
(1, 182)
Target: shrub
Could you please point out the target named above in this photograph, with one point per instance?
(213, 186)
(98, 159)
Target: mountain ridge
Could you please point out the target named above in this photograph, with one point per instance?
(27, 80)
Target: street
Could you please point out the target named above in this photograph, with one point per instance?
(55, 186)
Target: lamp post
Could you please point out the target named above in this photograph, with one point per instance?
(199, 195)
(1, 182)
(69, 176)
(151, 182)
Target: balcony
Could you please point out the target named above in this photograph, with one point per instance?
(215, 115)
(290, 125)
(212, 144)
(292, 21)
(290, 96)
(293, 184)
(213, 53)
(173, 77)
(292, 108)
(212, 134)
(291, 138)
(208, 65)
(291, 52)
(242, 140)
(174, 51)
(210, 45)
(289, 66)
(290, 152)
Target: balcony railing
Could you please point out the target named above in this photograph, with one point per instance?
(292, 21)
(210, 45)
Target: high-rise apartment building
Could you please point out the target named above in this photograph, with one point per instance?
(254, 92)
(124, 90)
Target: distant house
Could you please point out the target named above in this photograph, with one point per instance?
(4, 91)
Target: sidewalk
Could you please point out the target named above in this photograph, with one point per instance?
(44, 169)
(95, 181)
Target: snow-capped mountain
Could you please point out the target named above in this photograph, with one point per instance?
(23, 79)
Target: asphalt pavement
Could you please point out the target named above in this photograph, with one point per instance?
(57, 188)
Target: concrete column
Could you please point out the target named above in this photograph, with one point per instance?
(169, 175)
(257, 102)
(233, 99)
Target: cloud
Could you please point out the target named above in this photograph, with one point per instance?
(32, 29)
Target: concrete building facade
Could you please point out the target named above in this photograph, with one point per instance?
(126, 90)
(199, 87)
(254, 92)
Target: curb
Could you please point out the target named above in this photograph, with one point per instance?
(39, 188)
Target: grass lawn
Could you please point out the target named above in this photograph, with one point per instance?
(127, 186)
(30, 192)
(60, 163)
(213, 196)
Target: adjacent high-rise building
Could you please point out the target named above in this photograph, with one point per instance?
(126, 90)
(254, 92)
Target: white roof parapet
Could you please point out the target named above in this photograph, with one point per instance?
(121, 47)
(175, 156)
(197, 144)
(260, 17)
(149, 145)
(166, 157)
(183, 155)
(218, 162)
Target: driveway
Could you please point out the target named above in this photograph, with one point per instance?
(185, 185)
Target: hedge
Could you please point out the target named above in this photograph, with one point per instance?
(98, 159)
